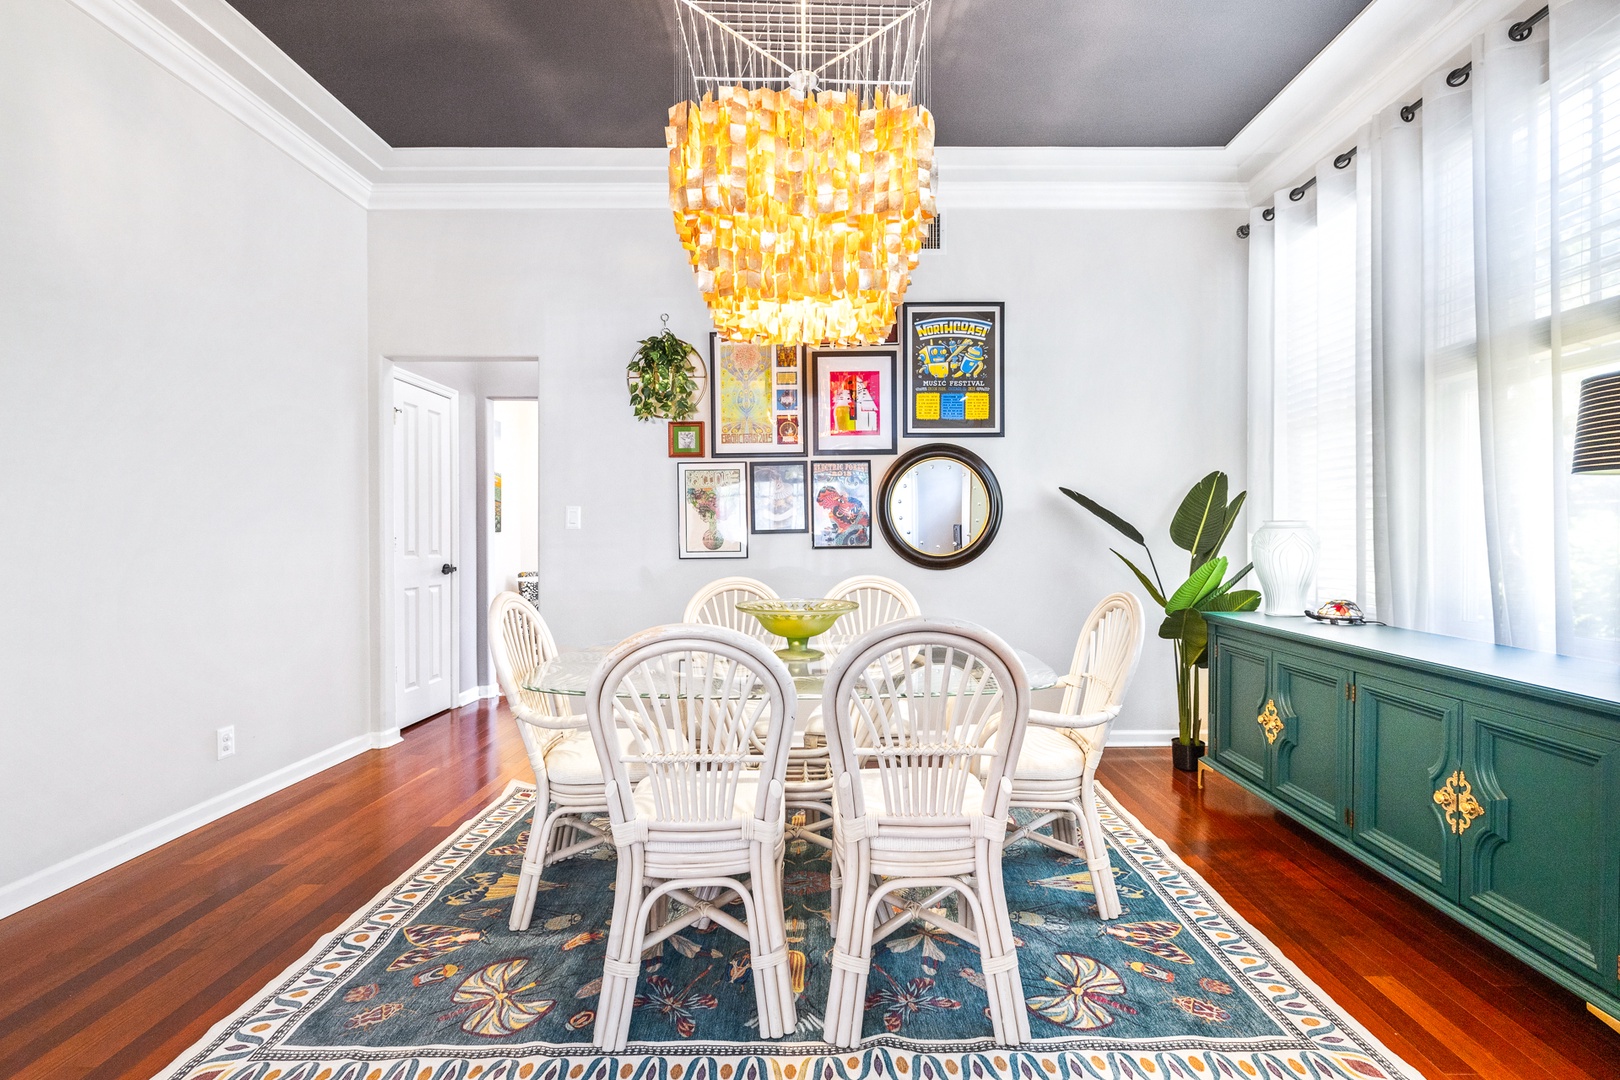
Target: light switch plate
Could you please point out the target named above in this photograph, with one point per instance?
(571, 517)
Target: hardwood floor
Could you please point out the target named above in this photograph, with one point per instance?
(116, 977)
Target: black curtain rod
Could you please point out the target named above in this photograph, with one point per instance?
(1340, 162)
(1519, 31)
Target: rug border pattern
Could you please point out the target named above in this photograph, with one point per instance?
(243, 1046)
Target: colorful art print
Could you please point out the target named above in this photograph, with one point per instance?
(686, 439)
(713, 509)
(841, 504)
(787, 400)
(497, 502)
(854, 391)
(745, 410)
(777, 497)
(954, 369)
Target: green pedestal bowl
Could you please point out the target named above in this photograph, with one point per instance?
(798, 621)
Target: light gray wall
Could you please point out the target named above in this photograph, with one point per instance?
(1125, 350)
(183, 450)
(477, 380)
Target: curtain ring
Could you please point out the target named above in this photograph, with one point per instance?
(1459, 76)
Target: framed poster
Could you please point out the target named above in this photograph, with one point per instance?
(841, 504)
(686, 438)
(854, 391)
(953, 369)
(713, 509)
(776, 494)
(757, 405)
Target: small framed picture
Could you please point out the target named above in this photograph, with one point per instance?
(686, 439)
(854, 392)
(713, 509)
(757, 405)
(841, 504)
(954, 369)
(776, 493)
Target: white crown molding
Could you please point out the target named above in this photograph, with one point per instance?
(87, 864)
(223, 57)
(1384, 52)
(1376, 61)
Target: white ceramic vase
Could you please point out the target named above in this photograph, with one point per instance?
(1285, 560)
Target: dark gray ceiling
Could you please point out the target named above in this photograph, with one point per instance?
(1003, 72)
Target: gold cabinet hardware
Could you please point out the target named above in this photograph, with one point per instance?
(1269, 720)
(1456, 799)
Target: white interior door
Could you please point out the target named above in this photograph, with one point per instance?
(425, 577)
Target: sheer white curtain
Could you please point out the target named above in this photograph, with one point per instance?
(1420, 321)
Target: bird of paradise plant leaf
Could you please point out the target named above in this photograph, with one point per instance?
(1151, 937)
(1089, 988)
(431, 942)
(494, 1005)
(900, 1003)
(678, 1005)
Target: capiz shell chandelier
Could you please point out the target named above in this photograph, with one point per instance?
(801, 167)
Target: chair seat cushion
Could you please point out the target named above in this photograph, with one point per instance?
(573, 760)
(1049, 754)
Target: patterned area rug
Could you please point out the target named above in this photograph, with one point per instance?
(427, 983)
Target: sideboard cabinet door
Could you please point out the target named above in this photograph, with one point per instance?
(1312, 767)
(1242, 687)
(1407, 742)
(1537, 806)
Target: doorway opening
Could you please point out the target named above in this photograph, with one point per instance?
(495, 529)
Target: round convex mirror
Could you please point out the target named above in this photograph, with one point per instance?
(939, 506)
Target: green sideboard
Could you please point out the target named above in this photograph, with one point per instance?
(1484, 779)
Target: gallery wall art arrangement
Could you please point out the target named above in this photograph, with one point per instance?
(780, 420)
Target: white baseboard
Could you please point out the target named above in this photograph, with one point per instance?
(477, 693)
(37, 886)
(1142, 737)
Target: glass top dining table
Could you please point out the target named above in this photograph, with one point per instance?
(570, 673)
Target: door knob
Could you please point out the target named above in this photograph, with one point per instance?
(447, 569)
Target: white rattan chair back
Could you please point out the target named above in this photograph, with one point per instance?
(519, 642)
(934, 703)
(883, 600)
(1105, 657)
(716, 605)
(709, 710)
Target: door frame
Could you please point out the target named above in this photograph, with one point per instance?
(385, 658)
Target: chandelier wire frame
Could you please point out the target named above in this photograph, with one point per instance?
(801, 163)
(854, 45)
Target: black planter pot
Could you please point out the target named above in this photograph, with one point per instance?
(1186, 755)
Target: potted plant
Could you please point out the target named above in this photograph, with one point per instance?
(663, 378)
(1200, 527)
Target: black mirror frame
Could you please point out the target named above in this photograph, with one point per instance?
(966, 458)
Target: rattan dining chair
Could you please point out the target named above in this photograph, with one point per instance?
(716, 605)
(882, 600)
(709, 712)
(569, 790)
(1057, 770)
(930, 704)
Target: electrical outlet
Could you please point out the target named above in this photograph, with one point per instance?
(225, 741)
(571, 518)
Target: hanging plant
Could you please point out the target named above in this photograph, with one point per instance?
(663, 378)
